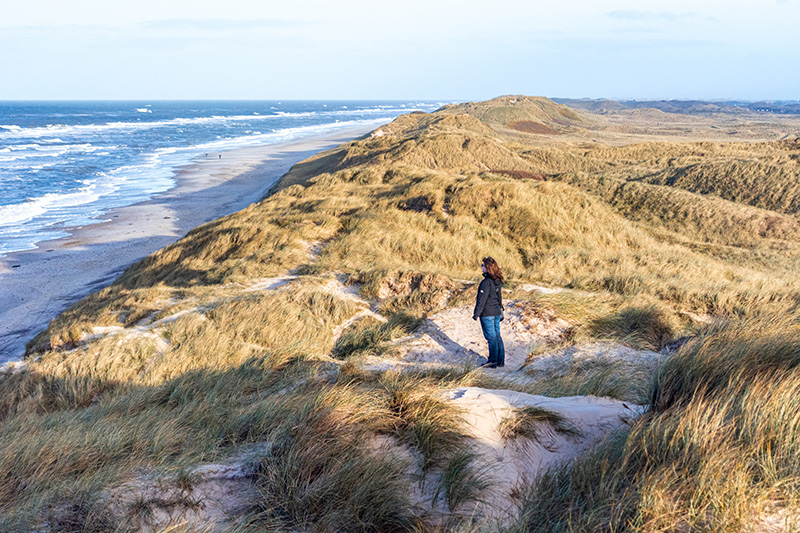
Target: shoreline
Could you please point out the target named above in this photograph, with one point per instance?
(37, 285)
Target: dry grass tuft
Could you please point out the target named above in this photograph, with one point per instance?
(427, 422)
(533, 422)
(610, 380)
(319, 473)
(645, 328)
(761, 349)
(462, 480)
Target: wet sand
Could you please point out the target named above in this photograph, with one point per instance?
(36, 285)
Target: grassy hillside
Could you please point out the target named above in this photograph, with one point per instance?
(190, 357)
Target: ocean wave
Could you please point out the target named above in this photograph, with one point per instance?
(17, 147)
(32, 155)
(64, 129)
(37, 168)
(24, 212)
(21, 152)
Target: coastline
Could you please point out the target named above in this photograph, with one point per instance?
(36, 285)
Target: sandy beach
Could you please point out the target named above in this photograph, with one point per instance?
(36, 285)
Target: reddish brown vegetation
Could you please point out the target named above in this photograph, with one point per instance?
(529, 126)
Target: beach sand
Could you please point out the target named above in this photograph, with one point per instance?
(36, 285)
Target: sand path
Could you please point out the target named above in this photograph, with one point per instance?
(451, 337)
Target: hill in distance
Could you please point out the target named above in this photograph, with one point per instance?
(781, 107)
(309, 363)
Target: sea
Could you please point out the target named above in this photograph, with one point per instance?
(66, 164)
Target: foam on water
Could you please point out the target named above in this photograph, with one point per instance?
(64, 129)
(29, 151)
(13, 214)
(49, 130)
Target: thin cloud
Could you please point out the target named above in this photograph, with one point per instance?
(632, 14)
(220, 24)
(623, 42)
(644, 30)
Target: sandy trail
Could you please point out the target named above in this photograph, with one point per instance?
(510, 463)
(451, 337)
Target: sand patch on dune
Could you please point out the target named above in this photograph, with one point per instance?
(513, 463)
(211, 497)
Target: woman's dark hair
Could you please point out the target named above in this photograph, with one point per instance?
(493, 269)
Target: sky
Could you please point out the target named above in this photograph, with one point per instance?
(412, 49)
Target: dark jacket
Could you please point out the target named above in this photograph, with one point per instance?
(490, 298)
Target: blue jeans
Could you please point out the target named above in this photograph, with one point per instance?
(491, 332)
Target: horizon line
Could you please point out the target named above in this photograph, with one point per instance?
(584, 98)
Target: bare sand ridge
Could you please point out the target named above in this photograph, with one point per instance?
(37, 285)
(511, 463)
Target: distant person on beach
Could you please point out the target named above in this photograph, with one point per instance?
(489, 309)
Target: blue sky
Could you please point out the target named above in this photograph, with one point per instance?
(466, 50)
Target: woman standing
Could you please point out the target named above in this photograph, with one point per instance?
(489, 308)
